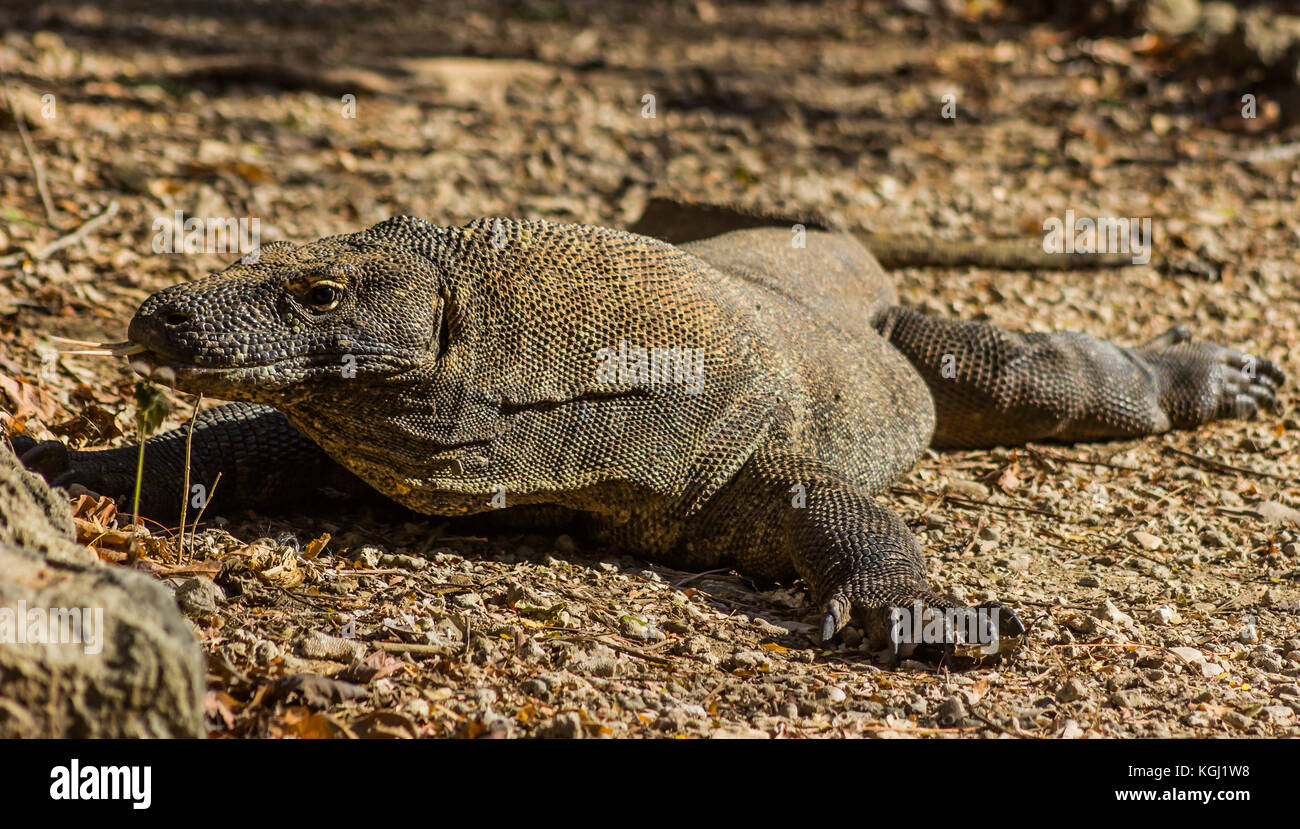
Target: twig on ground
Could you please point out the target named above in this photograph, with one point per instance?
(1220, 466)
(185, 486)
(38, 172)
(67, 240)
(962, 500)
(213, 491)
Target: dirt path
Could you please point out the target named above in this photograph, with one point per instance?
(1160, 576)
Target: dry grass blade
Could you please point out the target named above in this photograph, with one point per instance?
(85, 347)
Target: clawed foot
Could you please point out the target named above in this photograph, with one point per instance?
(1201, 381)
(959, 632)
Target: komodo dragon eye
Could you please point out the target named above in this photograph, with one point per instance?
(325, 296)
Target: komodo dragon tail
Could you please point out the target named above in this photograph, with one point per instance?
(677, 221)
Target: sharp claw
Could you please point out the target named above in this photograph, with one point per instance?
(1247, 408)
(1008, 618)
(895, 649)
(837, 615)
(828, 627)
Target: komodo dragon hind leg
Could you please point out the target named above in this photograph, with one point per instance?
(992, 386)
(786, 512)
(263, 462)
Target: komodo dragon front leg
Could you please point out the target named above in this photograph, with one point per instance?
(996, 387)
(785, 511)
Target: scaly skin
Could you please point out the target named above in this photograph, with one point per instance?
(450, 367)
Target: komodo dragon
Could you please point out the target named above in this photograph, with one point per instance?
(452, 368)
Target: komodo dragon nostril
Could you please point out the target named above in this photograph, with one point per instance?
(175, 319)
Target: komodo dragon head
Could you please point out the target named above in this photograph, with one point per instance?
(431, 359)
(291, 321)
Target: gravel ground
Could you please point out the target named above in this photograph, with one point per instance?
(1158, 576)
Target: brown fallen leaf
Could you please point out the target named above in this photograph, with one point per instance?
(375, 666)
(315, 546)
(94, 423)
(315, 690)
(101, 510)
(298, 722)
(28, 398)
(384, 725)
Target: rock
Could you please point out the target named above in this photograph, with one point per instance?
(1114, 615)
(1237, 720)
(1218, 20)
(1089, 581)
(1146, 540)
(1210, 670)
(751, 661)
(564, 544)
(1129, 699)
(317, 645)
(635, 627)
(1189, 655)
(1071, 730)
(971, 489)
(1172, 18)
(199, 598)
(1071, 690)
(394, 560)
(1214, 538)
(1273, 512)
(737, 731)
(137, 672)
(1164, 616)
(566, 726)
(1229, 498)
(951, 712)
(833, 694)
(1248, 634)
